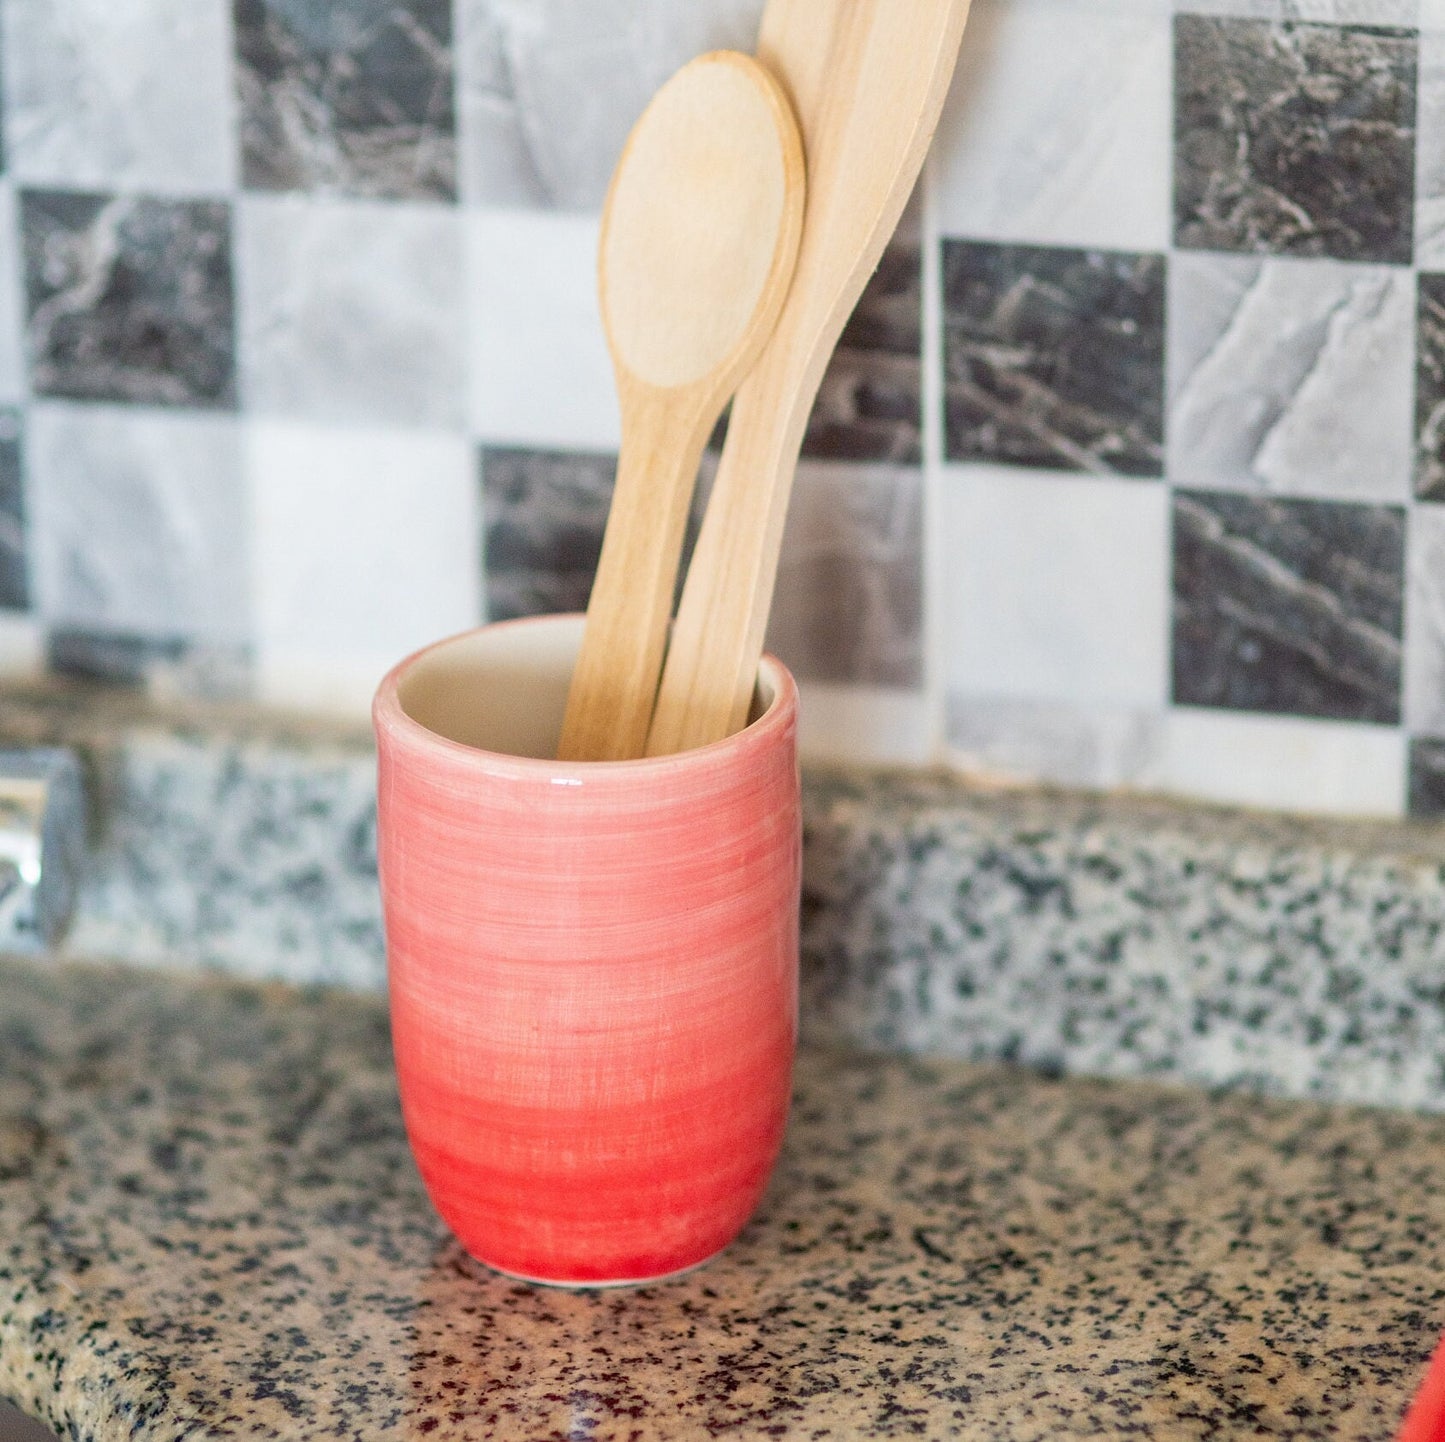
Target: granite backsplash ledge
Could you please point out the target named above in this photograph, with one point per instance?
(1077, 933)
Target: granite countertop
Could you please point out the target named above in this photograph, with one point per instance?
(210, 1227)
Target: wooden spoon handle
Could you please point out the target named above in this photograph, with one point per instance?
(614, 684)
(707, 685)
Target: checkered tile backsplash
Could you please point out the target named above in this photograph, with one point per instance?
(1129, 471)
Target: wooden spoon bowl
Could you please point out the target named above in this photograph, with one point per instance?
(699, 237)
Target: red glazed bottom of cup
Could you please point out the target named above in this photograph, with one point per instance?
(592, 966)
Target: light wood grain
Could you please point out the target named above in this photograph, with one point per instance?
(699, 237)
(867, 79)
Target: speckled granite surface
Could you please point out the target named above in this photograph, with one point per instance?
(1093, 935)
(240, 840)
(1128, 937)
(210, 1227)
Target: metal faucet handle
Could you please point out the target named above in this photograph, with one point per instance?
(42, 845)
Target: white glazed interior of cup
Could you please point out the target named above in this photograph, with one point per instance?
(503, 688)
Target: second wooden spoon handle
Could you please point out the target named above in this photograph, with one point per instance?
(868, 79)
(707, 686)
(614, 684)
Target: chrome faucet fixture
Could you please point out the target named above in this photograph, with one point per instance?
(42, 845)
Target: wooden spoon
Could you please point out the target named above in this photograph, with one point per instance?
(867, 80)
(699, 237)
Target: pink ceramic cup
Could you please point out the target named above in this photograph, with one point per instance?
(593, 966)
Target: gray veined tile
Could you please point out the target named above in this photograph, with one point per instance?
(353, 97)
(1425, 623)
(129, 298)
(848, 607)
(1288, 606)
(1290, 376)
(132, 96)
(544, 515)
(1054, 357)
(548, 89)
(1294, 138)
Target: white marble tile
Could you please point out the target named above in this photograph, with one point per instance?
(1062, 743)
(863, 726)
(848, 605)
(495, 163)
(1333, 767)
(138, 521)
(12, 310)
(540, 372)
(548, 89)
(1292, 376)
(1425, 622)
(22, 647)
(1430, 147)
(1055, 587)
(366, 545)
(351, 310)
(1329, 12)
(129, 96)
(1057, 128)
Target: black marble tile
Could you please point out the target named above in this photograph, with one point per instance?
(1288, 606)
(173, 666)
(1430, 389)
(870, 405)
(545, 512)
(128, 298)
(1427, 777)
(1294, 138)
(353, 96)
(1054, 357)
(14, 566)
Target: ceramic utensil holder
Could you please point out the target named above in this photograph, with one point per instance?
(592, 966)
